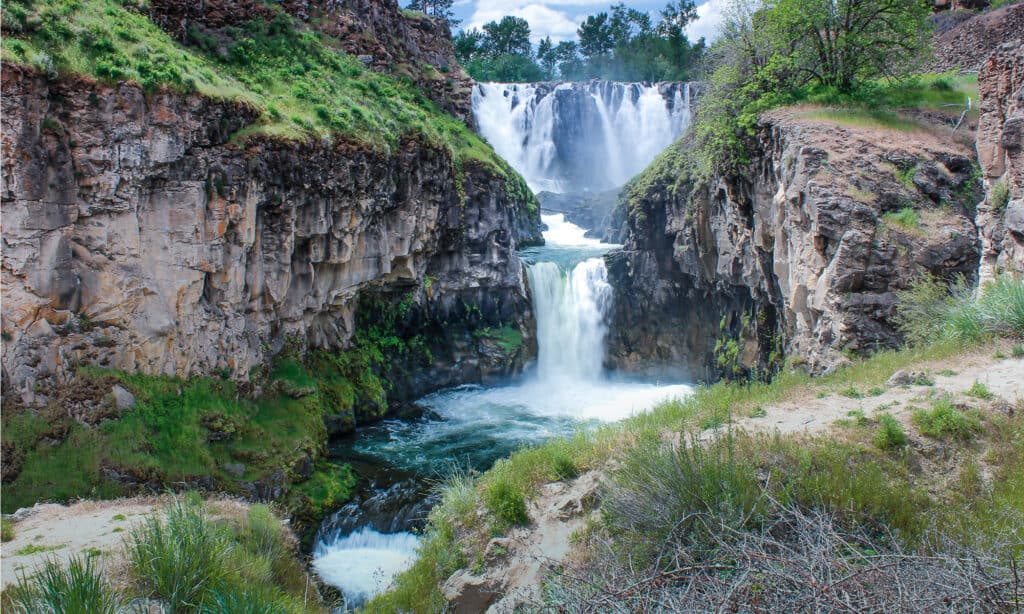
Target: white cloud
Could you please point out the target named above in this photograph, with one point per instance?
(709, 20)
(544, 20)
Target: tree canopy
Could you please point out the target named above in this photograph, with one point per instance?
(621, 44)
(785, 51)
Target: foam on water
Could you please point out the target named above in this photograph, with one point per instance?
(363, 563)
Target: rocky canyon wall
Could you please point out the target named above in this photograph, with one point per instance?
(1001, 153)
(800, 255)
(138, 235)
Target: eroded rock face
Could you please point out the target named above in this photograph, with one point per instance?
(796, 257)
(967, 45)
(1001, 154)
(137, 236)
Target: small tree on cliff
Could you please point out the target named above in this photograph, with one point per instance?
(436, 8)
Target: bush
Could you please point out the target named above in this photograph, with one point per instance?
(659, 485)
(180, 559)
(6, 530)
(890, 433)
(506, 503)
(78, 588)
(944, 420)
(251, 600)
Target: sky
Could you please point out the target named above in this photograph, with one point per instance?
(560, 18)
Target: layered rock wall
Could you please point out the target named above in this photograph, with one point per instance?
(800, 255)
(1001, 153)
(137, 235)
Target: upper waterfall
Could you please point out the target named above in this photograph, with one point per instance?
(574, 137)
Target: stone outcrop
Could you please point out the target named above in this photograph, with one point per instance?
(970, 39)
(137, 235)
(799, 255)
(1001, 154)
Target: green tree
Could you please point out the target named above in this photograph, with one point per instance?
(595, 36)
(468, 44)
(546, 57)
(841, 43)
(570, 66)
(510, 36)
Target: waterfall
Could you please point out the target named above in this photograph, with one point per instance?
(363, 563)
(573, 137)
(571, 310)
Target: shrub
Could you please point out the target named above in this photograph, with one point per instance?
(564, 467)
(180, 559)
(658, 485)
(251, 600)
(890, 433)
(999, 196)
(78, 588)
(6, 530)
(507, 503)
(944, 420)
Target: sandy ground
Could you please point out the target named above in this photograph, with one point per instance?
(562, 509)
(86, 528)
(91, 528)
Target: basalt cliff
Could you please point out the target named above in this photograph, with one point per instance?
(800, 254)
(141, 233)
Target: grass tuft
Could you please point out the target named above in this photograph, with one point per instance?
(180, 559)
(930, 310)
(980, 391)
(890, 435)
(945, 421)
(76, 588)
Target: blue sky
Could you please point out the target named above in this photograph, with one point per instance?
(560, 18)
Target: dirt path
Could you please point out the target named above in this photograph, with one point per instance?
(516, 565)
(87, 528)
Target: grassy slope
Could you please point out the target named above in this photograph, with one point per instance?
(302, 84)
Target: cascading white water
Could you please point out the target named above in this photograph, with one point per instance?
(571, 309)
(362, 564)
(571, 137)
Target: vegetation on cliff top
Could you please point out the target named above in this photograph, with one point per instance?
(773, 54)
(300, 81)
